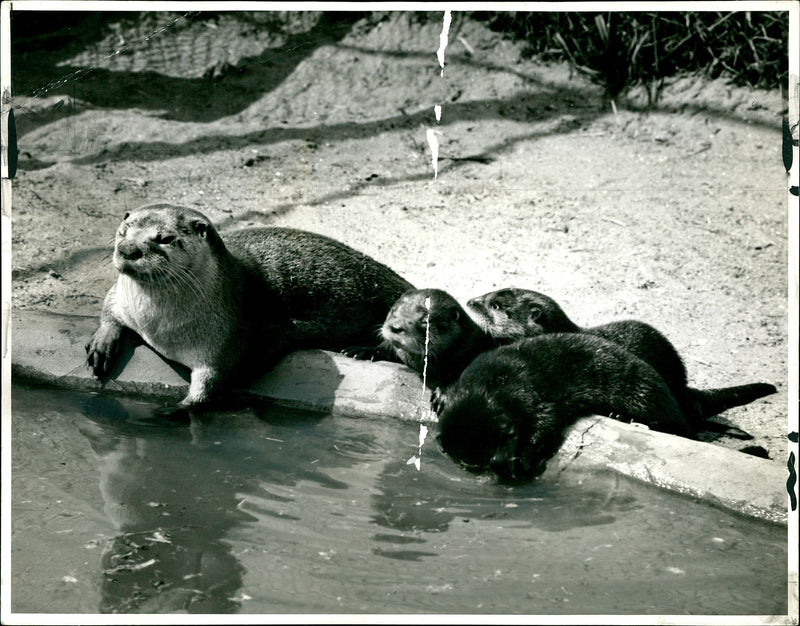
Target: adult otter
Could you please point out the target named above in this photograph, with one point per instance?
(430, 323)
(230, 305)
(516, 313)
(509, 408)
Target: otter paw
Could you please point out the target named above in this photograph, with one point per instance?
(438, 400)
(204, 383)
(363, 353)
(102, 348)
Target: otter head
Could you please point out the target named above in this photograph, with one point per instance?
(421, 314)
(518, 313)
(484, 435)
(165, 244)
(494, 426)
(503, 314)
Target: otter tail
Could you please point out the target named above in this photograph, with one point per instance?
(709, 402)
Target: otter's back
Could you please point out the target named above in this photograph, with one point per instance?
(332, 293)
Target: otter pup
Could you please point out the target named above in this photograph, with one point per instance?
(518, 313)
(509, 408)
(228, 305)
(453, 339)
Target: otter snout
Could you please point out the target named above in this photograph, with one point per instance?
(398, 337)
(390, 332)
(129, 250)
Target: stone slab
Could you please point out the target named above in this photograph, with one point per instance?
(49, 349)
(723, 477)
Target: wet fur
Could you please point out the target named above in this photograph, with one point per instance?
(454, 340)
(227, 305)
(508, 410)
(518, 313)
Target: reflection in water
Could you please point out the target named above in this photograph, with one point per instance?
(430, 500)
(267, 510)
(174, 491)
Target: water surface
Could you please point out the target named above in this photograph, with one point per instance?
(268, 510)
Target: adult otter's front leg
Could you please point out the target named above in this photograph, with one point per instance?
(205, 379)
(104, 345)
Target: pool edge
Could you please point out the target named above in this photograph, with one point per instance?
(48, 348)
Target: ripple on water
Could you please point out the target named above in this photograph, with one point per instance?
(270, 510)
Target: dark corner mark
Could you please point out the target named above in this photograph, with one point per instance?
(787, 144)
(792, 480)
(11, 146)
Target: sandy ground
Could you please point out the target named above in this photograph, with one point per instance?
(677, 217)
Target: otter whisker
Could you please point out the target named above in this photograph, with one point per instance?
(181, 279)
(200, 289)
(440, 339)
(214, 303)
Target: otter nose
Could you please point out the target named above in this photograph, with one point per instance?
(129, 251)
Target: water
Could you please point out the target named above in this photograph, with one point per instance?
(268, 510)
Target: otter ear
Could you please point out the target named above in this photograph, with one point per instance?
(535, 314)
(126, 216)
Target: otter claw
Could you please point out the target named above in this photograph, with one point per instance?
(102, 348)
(438, 400)
(362, 353)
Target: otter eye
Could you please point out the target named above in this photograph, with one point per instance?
(165, 240)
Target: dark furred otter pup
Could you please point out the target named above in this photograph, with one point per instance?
(508, 410)
(235, 305)
(516, 313)
(453, 339)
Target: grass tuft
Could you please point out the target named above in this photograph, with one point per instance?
(619, 50)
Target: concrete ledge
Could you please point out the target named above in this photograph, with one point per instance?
(48, 348)
(747, 484)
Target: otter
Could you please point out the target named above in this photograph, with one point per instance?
(234, 305)
(508, 410)
(516, 313)
(431, 323)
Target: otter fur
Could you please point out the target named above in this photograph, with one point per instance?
(517, 313)
(235, 304)
(429, 324)
(509, 408)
